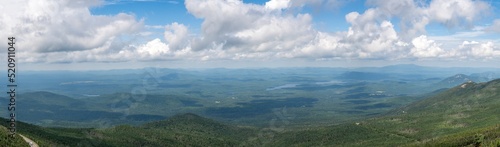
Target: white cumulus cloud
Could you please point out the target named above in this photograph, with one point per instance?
(425, 48)
(277, 4)
(416, 15)
(62, 31)
(176, 35)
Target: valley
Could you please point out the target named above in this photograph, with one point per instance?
(382, 106)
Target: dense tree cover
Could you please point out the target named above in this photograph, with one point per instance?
(180, 130)
(55, 136)
(489, 136)
(6, 140)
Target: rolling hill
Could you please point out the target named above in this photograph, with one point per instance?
(179, 130)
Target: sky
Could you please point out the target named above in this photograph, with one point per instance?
(111, 34)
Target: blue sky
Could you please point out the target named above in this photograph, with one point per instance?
(161, 12)
(103, 34)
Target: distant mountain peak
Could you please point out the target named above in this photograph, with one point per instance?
(403, 66)
(414, 65)
(460, 76)
(456, 80)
